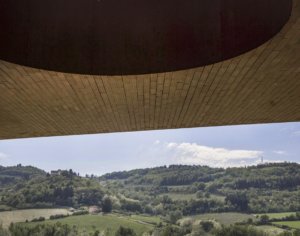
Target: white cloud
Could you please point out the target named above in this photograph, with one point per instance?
(280, 152)
(195, 154)
(3, 156)
(157, 142)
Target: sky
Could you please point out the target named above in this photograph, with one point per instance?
(226, 146)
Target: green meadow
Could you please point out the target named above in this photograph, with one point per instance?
(224, 218)
(7, 217)
(290, 224)
(106, 224)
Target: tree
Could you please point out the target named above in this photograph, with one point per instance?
(237, 230)
(106, 204)
(56, 229)
(199, 194)
(207, 225)
(239, 200)
(166, 199)
(297, 232)
(122, 231)
(173, 231)
(175, 216)
(201, 186)
(131, 206)
(264, 219)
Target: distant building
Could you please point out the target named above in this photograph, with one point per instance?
(261, 161)
(56, 172)
(94, 209)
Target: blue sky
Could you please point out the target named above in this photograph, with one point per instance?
(103, 153)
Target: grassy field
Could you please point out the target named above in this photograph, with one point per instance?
(278, 215)
(107, 224)
(146, 219)
(290, 224)
(181, 196)
(270, 230)
(225, 218)
(8, 217)
(217, 197)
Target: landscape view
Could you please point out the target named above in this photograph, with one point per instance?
(218, 181)
(173, 200)
(150, 118)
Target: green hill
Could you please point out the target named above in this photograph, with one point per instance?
(201, 189)
(156, 199)
(160, 191)
(28, 187)
(17, 174)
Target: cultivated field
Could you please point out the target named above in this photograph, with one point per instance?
(181, 196)
(224, 218)
(146, 219)
(8, 217)
(107, 224)
(291, 224)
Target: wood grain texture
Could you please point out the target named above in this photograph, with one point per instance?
(260, 86)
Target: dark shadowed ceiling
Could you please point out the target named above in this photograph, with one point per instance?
(113, 37)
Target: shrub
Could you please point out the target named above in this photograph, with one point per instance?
(122, 231)
(43, 229)
(78, 213)
(238, 230)
(38, 219)
(264, 219)
(174, 216)
(207, 226)
(58, 216)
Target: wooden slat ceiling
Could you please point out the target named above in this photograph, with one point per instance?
(261, 86)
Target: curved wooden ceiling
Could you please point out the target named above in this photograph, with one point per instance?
(260, 86)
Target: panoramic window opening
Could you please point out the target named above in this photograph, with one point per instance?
(203, 181)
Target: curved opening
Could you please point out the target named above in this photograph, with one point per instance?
(111, 37)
